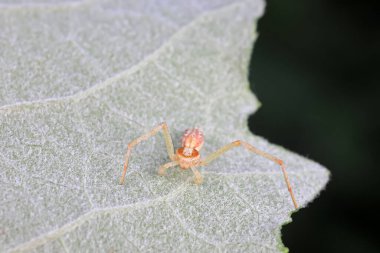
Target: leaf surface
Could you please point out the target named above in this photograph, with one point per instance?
(80, 79)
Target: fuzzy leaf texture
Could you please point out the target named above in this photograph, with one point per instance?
(80, 79)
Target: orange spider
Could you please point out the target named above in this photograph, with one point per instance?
(188, 155)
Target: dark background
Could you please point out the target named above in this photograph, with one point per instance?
(315, 68)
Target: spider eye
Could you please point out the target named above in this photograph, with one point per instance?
(182, 152)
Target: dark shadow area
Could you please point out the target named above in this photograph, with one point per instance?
(315, 68)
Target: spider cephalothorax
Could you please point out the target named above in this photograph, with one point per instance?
(188, 155)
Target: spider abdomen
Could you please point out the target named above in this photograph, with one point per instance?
(193, 139)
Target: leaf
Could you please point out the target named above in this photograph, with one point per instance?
(81, 79)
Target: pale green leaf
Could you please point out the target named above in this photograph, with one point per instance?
(80, 79)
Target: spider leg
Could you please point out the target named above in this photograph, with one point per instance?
(154, 131)
(253, 149)
(163, 168)
(198, 177)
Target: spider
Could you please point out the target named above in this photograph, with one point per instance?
(188, 156)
